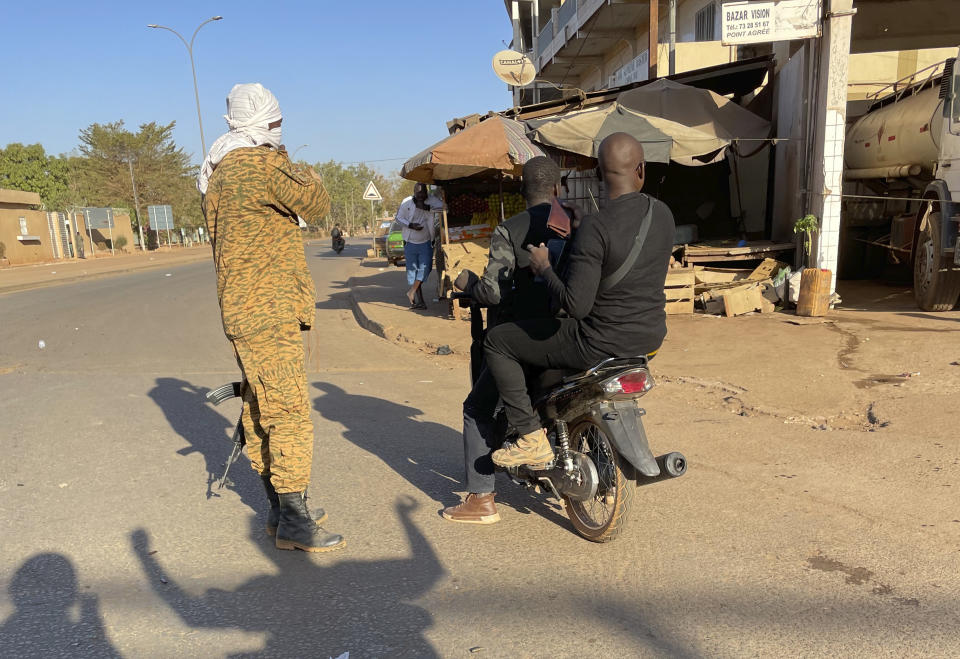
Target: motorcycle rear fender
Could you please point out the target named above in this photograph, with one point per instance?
(621, 422)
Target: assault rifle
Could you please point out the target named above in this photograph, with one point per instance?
(217, 396)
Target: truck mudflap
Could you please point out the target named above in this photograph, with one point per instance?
(622, 422)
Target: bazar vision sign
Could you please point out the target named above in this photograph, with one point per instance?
(760, 21)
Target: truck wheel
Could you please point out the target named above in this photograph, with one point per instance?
(934, 289)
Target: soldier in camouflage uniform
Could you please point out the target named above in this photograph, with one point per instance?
(253, 195)
(511, 292)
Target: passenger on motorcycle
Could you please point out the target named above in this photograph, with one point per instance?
(613, 309)
(510, 290)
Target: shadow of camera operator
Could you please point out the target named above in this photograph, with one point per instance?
(52, 619)
(318, 608)
(208, 433)
(423, 452)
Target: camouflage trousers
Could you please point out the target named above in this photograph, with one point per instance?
(276, 409)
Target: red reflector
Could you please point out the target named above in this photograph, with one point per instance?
(867, 145)
(891, 138)
(633, 382)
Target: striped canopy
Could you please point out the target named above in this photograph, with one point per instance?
(495, 144)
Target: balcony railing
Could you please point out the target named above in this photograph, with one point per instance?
(566, 11)
(545, 37)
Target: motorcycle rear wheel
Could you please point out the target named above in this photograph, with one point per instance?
(601, 518)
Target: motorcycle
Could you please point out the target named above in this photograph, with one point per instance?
(595, 425)
(338, 244)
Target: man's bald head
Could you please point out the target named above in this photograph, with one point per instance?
(620, 153)
(621, 160)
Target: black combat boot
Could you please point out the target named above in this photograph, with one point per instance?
(296, 530)
(273, 516)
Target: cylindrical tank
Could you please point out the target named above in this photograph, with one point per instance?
(901, 134)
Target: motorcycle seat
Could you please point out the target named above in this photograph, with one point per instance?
(554, 377)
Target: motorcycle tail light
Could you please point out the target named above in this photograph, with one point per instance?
(631, 383)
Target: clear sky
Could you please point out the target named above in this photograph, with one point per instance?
(356, 80)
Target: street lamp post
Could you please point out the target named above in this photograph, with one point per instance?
(196, 92)
(292, 155)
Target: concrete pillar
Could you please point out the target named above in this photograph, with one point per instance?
(518, 44)
(826, 181)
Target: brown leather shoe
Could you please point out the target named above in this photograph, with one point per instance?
(475, 509)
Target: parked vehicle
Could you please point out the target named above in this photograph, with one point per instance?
(907, 147)
(389, 241)
(595, 425)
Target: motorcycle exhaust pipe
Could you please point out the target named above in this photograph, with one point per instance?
(672, 465)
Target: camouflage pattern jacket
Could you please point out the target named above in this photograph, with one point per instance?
(251, 207)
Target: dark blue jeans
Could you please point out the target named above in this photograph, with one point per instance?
(479, 435)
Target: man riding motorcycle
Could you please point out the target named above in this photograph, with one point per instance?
(614, 308)
(336, 237)
(511, 292)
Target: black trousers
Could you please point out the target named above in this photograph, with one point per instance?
(547, 343)
(479, 436)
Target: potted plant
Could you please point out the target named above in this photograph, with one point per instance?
(807, 225)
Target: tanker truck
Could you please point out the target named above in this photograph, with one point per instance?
(902, 159)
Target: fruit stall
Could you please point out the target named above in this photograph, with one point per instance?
(477, 172)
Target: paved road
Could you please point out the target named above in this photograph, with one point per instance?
(115, 543)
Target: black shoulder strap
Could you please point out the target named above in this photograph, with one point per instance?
(614, 278)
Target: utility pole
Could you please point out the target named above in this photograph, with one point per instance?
(136, 201)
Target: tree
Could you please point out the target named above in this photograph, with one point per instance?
(162, 170)
(346, 185)
(30, 169)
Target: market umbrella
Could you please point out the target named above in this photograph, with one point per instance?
(668, 130)
(702, 109)
(493, 144)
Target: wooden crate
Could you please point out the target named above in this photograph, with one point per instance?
(678, 290)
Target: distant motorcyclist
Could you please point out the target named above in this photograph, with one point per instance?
(336, 236)
(512, 292)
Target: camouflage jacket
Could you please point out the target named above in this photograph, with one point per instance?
(507, 285)
(251, 207)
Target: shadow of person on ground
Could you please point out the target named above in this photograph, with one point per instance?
(52, 619)
(390, 287)
(428, 455)
(318, 606)
(208, 433)
(423, 452)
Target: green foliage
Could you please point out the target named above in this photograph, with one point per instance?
(807, 225)
(3, 250)
(30, 169)
(99, 173)
(162, 170)
(120, 242)
(346, 184)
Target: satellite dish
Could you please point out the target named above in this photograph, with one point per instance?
(514, 68)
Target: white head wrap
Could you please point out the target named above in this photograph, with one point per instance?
(250, 108)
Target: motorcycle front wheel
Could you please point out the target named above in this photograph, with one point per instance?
(600, 518)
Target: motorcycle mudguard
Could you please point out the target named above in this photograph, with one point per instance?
(621, 422)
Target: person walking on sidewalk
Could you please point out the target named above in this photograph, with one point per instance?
(252, 195)
(508, 287)
(418, 232)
